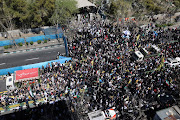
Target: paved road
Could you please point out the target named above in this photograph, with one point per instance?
(2, 85)
(19, 59)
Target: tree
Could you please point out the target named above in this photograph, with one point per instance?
(63, 11)
(119, 8)
(6, 16)
(113, 8)
(177, 3)
(40, 11)
(16, 10)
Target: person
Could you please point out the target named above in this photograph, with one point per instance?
(9, 73)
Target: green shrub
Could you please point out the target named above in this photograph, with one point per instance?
(9, 46)
(20, 44)
(45, 41)
(6, 47)
(27, 43)
(39, 41)
(31, 42)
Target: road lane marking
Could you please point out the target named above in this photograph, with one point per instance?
(2, 63)
(31, 59)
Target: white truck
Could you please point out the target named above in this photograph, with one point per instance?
(173, 62)
(10, 83)
(109, 114)
(137, 56)
(21, 75)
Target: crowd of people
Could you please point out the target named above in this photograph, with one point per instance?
(101, 74)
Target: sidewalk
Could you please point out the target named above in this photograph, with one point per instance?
(34, 46)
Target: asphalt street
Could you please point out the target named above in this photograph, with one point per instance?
(2, 85)
(31, 57)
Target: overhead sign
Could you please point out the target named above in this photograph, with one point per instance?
(97, 115)
(28, 74)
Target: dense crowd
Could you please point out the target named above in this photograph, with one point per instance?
(102, 75)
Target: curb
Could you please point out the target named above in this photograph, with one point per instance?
(33, 49)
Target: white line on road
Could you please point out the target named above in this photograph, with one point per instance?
(31, 59)
(2, 63)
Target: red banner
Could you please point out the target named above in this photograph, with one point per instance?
(27, 74)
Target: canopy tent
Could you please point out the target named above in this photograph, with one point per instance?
(84, 3)
(28, 74)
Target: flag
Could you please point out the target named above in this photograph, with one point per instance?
(76, 96)
(81, 76)
(161, 64)
(92, 63)
(71, 67)
(167, 83)
(137, 81)
(138, 37)
(48, 86)
(30, 92)
(162, 60)
(129, 81)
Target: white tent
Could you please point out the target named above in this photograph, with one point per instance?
(84, 3)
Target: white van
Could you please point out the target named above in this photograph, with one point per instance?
(10, 83)
(171, 62)
(155, 48)
(138, 56)
(144, 51)
(178, 59)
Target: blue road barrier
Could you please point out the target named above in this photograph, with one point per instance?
(66, 47)
(29, 39)
(37, 65)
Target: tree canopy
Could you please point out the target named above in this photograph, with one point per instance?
(63, 11)
(35, 13)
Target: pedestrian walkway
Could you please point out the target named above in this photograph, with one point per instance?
(35, 45)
